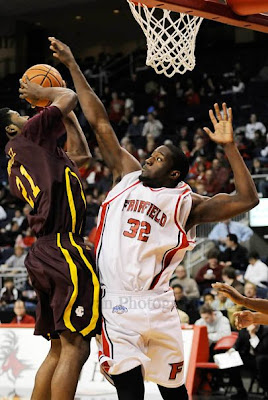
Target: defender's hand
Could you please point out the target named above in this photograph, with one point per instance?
(230, 292)
(243, 319)
(61, 51)
(30, 91)
(222, 125)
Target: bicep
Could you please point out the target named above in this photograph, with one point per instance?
(117, 159)
(218, 208)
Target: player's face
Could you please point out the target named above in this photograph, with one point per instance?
(17, 123)
(157, 170)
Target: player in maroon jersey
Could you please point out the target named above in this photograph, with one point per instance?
(61, 268)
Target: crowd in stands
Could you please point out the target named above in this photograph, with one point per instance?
(146, 112)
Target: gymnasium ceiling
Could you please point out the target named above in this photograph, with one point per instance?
(72, 20)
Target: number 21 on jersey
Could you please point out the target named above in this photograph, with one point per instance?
(22, 189)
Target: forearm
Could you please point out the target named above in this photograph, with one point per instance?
(53, 93)
(246, 192)
(260, 318)
(76, 141)
(92, 107)
(259, 305)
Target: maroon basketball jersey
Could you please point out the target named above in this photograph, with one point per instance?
(41, 173)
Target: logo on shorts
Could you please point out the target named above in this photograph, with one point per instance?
(120, 309)
(80, 311)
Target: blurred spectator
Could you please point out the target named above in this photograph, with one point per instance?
(189, 285)
(209, 273)
(116, 108)
(209, 298)
(192, 97)
(257, 271)
(185, 304)
(184, 318)
(235, 255)
(152, 126)
(252, 345)
(21, 316)
(135, 128)
(222, 175)
(250, 290)
(229, 277)
(238, 86)
(16, 261)
(199, 148)
(26, 211)
(253, 126)
(222, 229)
(8, 294)
(217, 325)
(28, 294)
(3, 214)
(105, 182)
(222, 303)
(18, 217)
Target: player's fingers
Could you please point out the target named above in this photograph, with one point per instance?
(230, 114)
(217, 111)
(55, 55)
(212, 118)
(225, 113)
(208, 131)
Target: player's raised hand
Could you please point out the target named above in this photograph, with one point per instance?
(61, 51)
(29, 90)
(230, 292)
(243, 319)
(223, 128)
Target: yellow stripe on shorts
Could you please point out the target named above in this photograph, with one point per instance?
(96, 289)
(74, 278)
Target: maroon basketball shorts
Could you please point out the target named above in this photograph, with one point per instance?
(64, 277)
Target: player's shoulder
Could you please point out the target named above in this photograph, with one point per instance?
(127, 181)
(198, 199)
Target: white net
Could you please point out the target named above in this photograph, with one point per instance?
(170, 38)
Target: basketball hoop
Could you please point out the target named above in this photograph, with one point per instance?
(170, 38)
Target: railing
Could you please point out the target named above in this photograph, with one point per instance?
(19, 275)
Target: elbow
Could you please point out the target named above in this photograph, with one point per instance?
(254, 202)
(74, 99)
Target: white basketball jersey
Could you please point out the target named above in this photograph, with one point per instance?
(141, 238)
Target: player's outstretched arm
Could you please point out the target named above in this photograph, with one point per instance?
(259, 305)
(224, 206)
(243, 319)
(116, 158)
(77, 147)
(63, 98)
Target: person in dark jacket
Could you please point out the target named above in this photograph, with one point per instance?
(252, 345)
(235, 255)
(185, 304)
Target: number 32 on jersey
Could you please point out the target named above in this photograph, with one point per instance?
(139, 229)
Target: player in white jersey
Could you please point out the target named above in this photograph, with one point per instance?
(146, 224)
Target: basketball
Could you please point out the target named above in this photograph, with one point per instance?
(43, 75)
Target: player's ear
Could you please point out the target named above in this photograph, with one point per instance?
(11, 130)
(175, 175)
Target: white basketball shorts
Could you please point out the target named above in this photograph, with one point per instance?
(142, 328)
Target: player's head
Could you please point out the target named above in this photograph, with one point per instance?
(166, 167)
(11, 122)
